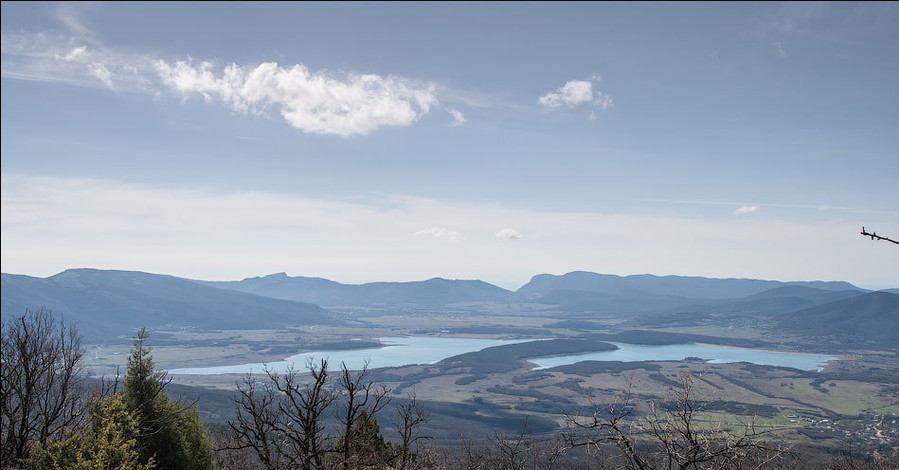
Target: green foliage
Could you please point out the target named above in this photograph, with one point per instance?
(169, 431)
(138, 428)
(109, 443)
(367, 446)
(368, 439)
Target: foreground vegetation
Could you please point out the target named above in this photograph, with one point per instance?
(323, 418)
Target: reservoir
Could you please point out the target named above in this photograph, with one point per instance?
(403, 351)
(676, 352)
(397, 352)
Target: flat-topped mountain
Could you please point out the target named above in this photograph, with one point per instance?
(432, 292)
(107, 304)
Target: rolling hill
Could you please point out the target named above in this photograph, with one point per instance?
(870, 320)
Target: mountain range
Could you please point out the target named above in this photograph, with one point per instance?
(543, 288)
(109, 304)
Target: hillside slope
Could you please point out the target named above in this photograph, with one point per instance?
(108, 304)
(869, 320)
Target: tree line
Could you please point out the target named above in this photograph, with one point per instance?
(319, 418)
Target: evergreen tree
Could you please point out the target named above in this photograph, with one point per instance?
(367, 448)
(169, 431)
(108, 444)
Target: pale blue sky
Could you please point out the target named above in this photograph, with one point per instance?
(497, 141)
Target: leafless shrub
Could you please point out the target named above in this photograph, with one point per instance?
(42, 392)
(672, 434)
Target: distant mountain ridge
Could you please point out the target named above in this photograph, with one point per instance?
(114, 303)
(679, 286)
(577, 291)
(107, 304)
(432, 292)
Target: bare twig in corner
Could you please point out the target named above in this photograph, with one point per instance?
(875, 236)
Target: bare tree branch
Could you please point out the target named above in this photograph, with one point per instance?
(360, 395)
(875, 236)
(410, 414)
(670, 436)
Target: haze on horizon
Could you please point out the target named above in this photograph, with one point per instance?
(386, 142)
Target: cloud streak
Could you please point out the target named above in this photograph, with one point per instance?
(50, 224)
(819, 207)
(439, 233)
(744, 210)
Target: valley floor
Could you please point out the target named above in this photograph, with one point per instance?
(850, 405)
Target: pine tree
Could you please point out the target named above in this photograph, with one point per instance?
(367, 448)
(168, 431)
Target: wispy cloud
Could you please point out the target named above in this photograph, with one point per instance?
(458, 118)
(102, 73)
(603, 101)
(439, 233)
(69, 16)
(819, 207)
(744, 210)
(779, 49)
(508, 234)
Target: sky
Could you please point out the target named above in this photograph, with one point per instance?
(396, 142)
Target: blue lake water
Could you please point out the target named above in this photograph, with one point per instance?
(676, 352)
(398, 352)
(426, 350)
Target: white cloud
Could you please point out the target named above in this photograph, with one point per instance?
(743, 210)
(458, 118)
(439, 233)
(311, 101)
(571, 94)
(508, 234)
(575, 93)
